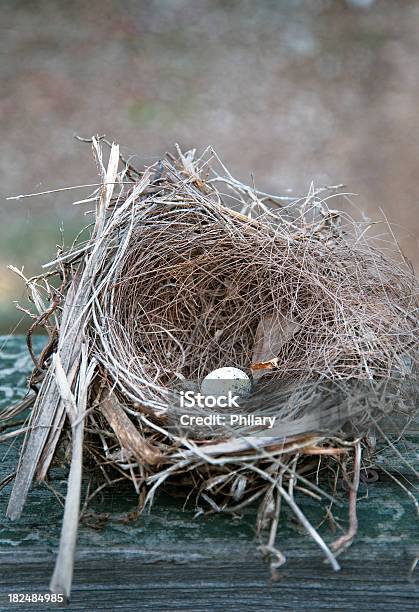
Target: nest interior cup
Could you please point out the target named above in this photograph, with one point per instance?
(189, 285)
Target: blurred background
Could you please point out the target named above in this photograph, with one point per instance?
(290, 91)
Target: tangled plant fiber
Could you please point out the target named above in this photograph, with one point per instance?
(186, 270)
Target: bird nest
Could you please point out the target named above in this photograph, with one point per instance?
(186, 270)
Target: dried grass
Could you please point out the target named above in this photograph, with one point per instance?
(187, 270)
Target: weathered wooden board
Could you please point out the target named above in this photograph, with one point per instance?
(170, 561)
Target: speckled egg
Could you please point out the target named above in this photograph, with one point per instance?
(221, 381)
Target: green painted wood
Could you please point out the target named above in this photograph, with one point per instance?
(169, 560)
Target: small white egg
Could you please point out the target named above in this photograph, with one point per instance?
(221, 381)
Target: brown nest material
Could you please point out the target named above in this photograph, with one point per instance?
(187, 270)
